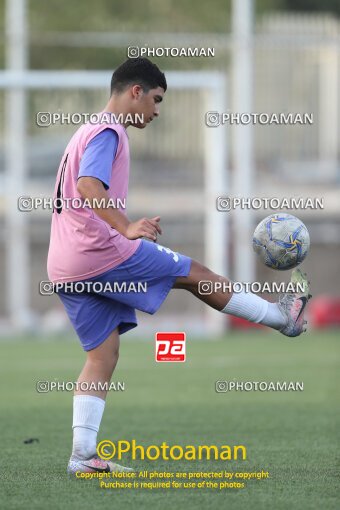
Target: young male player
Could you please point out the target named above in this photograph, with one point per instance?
(102, 245)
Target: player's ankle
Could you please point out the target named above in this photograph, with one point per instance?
(83, 451)
(247, 306)
(255, 309)
(274, 317)
(84, 442)
(87, 415)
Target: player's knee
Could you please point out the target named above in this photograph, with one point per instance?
(108, 366)
(198, 272)
(115, 356)
(112, 360)
(106, 363)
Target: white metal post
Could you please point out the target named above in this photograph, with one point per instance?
(243, 144)
(17, 239)
(216, 227)
(328, 116)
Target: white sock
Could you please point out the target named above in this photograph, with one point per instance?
(87, 415)
(255, 309)
(274, 318)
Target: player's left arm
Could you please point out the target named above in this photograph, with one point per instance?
(94, 180)
(93, 190)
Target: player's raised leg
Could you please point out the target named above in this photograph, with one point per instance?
(88, 408)
(287, 315)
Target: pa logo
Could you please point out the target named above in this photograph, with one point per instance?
(170, 347)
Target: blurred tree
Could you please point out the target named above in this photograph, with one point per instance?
(132, 16)
(332, 6)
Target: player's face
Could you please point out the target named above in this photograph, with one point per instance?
(147, 105)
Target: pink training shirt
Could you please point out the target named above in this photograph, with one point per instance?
(82, 245)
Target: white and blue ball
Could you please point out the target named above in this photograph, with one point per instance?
(281, 241)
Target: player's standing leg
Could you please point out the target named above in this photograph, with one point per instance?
(88, 407)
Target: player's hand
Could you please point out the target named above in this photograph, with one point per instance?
(145, 227)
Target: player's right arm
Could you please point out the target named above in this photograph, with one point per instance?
(93, 190)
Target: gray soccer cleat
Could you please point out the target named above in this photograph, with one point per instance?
(93, 465)
(292, 306)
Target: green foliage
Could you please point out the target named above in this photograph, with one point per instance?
(159, 16)
(331, 6)
(149, 15)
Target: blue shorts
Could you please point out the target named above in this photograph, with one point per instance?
(142, 282)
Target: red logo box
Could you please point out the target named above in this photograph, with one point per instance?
(170, 347)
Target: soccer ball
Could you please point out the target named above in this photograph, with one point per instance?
(281, 241)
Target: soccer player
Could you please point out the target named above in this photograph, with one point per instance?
(100, 244)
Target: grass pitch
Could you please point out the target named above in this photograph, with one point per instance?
(293, 435)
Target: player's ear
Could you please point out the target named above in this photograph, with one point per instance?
(136, 91)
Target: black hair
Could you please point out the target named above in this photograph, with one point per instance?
(138, 71)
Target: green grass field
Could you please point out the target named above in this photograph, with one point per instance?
(293, 435)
